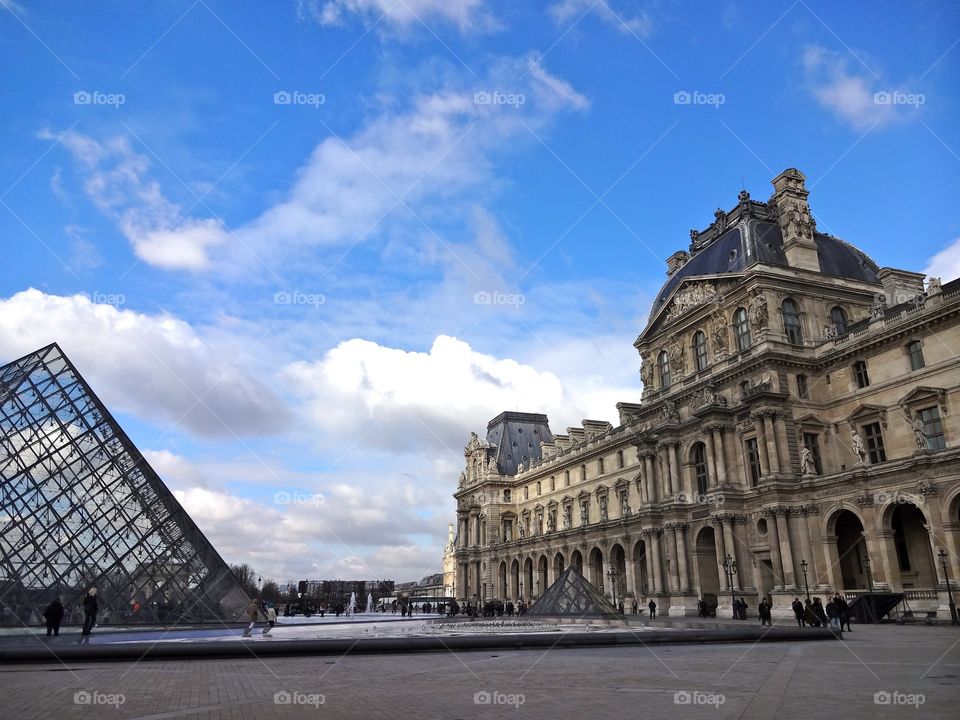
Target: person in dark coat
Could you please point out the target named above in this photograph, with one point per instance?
(764, 612)
(810, 614)
(840, 602)
(54, 616)
(821, 613)
(89, 611)
(798, 611)
(653, 609)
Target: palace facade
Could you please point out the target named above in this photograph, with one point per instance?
(798, 418)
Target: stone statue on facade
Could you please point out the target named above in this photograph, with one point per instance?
(807, 464)
(668, 412)
(718, 334)
(859, 449)
(521, 526)
(624, 506)
(757, 309)
(678, 359)
(646, 370)
(583, 513)
(603, 508)
(567, 519)
(919, 432)
(933, 286)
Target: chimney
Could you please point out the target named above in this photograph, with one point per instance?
(901, 286)
(676, 261)
(796, 223)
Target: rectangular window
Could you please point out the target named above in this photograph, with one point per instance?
(874, 439)
(600, 466)
(860, 374)
(932, 428)
(526, 492)
(916, 355)
(566, 478)
(620, 458)
(506, 495)
(812, 442)
(802, 391)
(753, 461)
(553, 483)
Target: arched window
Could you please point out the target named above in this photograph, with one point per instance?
(839, 318)
(699, 457)
(663, 364)
(791, 322)
(700, 350)
(741, 328)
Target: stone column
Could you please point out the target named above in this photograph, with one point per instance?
(771, 438)
(761, 447)
(711, 463)
(888, 553)
(651, 476)
(832, 558)
(655, 560)
(718, 449)
(786, 552)
(775, 559)
(720, 543)
(881, 566)
(642, 484)
(682, 570)
(812, 525)
(666, 482)
(631, 576)
(648, 559)
(673, 452)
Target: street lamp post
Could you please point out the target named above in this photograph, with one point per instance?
(521, 589)
(806, 588)
(612, 576)
(866, 562)
(730, 569)
(946, 578)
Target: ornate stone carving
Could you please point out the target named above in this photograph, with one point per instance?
(602, 502)
(928, 489)
(720, 221)
(858, 448)
(864, 500)
(718, 335)
(807, 464)
(668, 412)
(690, 296)
(646, 370)
(757, 310)
(678, 358)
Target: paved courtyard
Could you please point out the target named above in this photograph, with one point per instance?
(875, 672)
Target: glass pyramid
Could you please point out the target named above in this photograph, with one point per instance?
(80, 507)
(573, 596)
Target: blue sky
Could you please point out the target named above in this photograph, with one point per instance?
(262, 234)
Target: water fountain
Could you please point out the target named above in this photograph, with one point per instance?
(352, 606)
(369, 602)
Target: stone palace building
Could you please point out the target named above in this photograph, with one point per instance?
(799, 417)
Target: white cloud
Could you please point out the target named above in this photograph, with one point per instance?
(946, 263)
(465, 14)
(156, 366)
(432, 159)
(157, 228)
(848, 91)
(567, 11)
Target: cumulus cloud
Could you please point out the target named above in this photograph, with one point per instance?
(850, 93)
(946, 263)
(117, 181)
(465, 14)
(155, 366)
(567, 11)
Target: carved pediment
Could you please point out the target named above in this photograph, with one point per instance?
(867, 411)
(922, 394)
(690, 295)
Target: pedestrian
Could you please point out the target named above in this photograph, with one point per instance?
(252, 612)
(810, 614)
(54, 616)
(764, 611)
(821, 613)
(89, 611)
(653, 608)
(635, 607)
(798, 611)
(845, 613)
(271, 620)
(620, 607)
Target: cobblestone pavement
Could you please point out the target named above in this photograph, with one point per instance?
(875, 672)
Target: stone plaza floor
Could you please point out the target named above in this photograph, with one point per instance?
(874, 672)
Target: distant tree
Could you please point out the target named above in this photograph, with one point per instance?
(247, 577)
(270, 592)
(292, 595)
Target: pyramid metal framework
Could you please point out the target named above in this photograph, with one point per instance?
(80, 507)
(573, 596)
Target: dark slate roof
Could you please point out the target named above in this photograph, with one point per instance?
(518, 436)
(755, 240)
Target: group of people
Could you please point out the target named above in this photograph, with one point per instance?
(253, 614)
(54, 612)
(836, 614)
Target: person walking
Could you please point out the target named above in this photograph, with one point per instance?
(252, 612)
(271, 620)
(844, 612)
(653, 609)
(821, 613)
(54, 616)
(89, 611)
(764, 612)
(798, 611)
(634, 607)
(832, 614)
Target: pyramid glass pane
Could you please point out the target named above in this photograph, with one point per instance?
(573, 596)
(80, 507)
